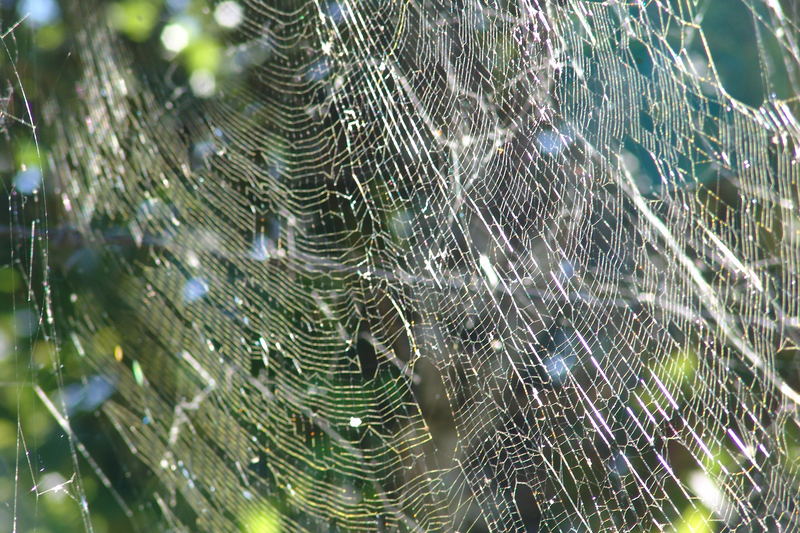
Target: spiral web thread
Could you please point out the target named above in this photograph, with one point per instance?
(449, 266)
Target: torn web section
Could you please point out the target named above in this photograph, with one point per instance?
(658, 268)
(37, 483)
(684, 151)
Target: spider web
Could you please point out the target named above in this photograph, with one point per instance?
(444, 266)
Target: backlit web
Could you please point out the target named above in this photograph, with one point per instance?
(443, 266)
